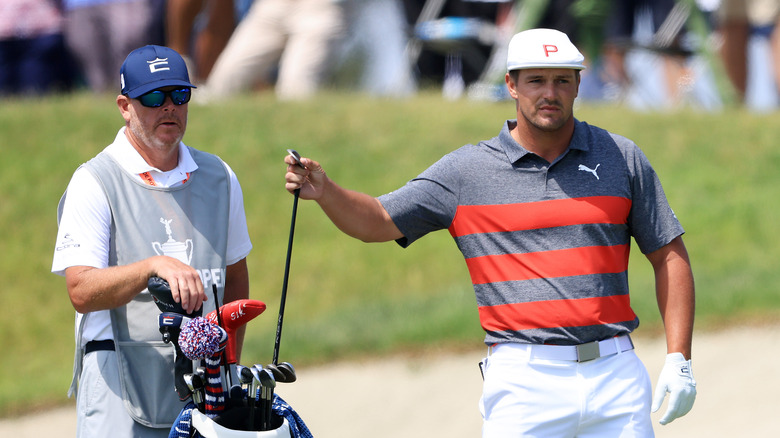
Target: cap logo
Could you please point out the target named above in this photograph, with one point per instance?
(549, 48)
(158, 64)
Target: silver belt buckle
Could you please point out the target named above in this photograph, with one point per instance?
(589, 351)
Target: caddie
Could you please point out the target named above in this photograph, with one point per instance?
(544, 214)
(147, 205)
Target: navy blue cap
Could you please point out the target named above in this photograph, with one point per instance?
(150, 68)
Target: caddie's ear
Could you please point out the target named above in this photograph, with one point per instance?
(511, 85)
(123, 103)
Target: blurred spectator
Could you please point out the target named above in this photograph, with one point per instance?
(582, 20)
(737, 21)
(33, 57)
(285, 43)
(100, 34)
(372, 56)
(436, 61)
(199, 45)
(619, 39)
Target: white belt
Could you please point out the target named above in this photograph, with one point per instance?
(577, 353)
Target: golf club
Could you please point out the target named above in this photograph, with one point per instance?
(244, 376)
(255, 388)
(247, 379)
(170, 326)
(280, 321)
(200, 372)
(195, 383)
(267, 383)
(283, 372)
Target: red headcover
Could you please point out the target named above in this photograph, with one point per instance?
(235, 314)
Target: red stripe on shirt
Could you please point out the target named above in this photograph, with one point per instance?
(549, 264)
(557, 313)
(472, 219)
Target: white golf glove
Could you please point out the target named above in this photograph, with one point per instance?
(677, 379)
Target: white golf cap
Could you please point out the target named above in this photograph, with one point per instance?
(543, 48)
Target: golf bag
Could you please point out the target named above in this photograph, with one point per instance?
(247, 409)
(194, 423)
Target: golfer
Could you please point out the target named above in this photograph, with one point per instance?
(147, 205)
(544, 214)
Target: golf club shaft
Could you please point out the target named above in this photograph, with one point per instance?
(286, 277)
(268, 408)
(223, 357)
(252, 399)
(264, 407)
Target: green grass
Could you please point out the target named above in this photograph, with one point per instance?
(347, 298)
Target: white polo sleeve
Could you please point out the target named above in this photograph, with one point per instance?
(85, 226)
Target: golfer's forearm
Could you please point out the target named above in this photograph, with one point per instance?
(357, 214)
(675, 293)
(677, 305)
(93, 289)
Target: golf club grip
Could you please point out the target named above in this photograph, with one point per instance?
(283, 300)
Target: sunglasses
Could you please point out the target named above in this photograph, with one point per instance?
(156, 98)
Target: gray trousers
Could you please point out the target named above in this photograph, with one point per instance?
(295, 38)
(101, 36)
(101, 410)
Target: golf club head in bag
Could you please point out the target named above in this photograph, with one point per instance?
(170, 327)
(283, 372)
(196, 382)
(163, 298)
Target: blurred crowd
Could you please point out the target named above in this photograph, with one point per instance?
(656, 53)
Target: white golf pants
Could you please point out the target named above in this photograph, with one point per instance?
(529, 397)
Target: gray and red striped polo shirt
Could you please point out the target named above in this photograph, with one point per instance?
(546, 244)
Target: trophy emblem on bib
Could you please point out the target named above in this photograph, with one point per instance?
(181, 251)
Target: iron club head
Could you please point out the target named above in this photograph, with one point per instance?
(296, 156)
(244, 375)
(283, 372)
(195, 384)
(267, 379)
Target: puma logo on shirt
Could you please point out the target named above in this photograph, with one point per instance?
(587, 169)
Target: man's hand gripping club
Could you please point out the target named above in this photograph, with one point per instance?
(306, 175)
